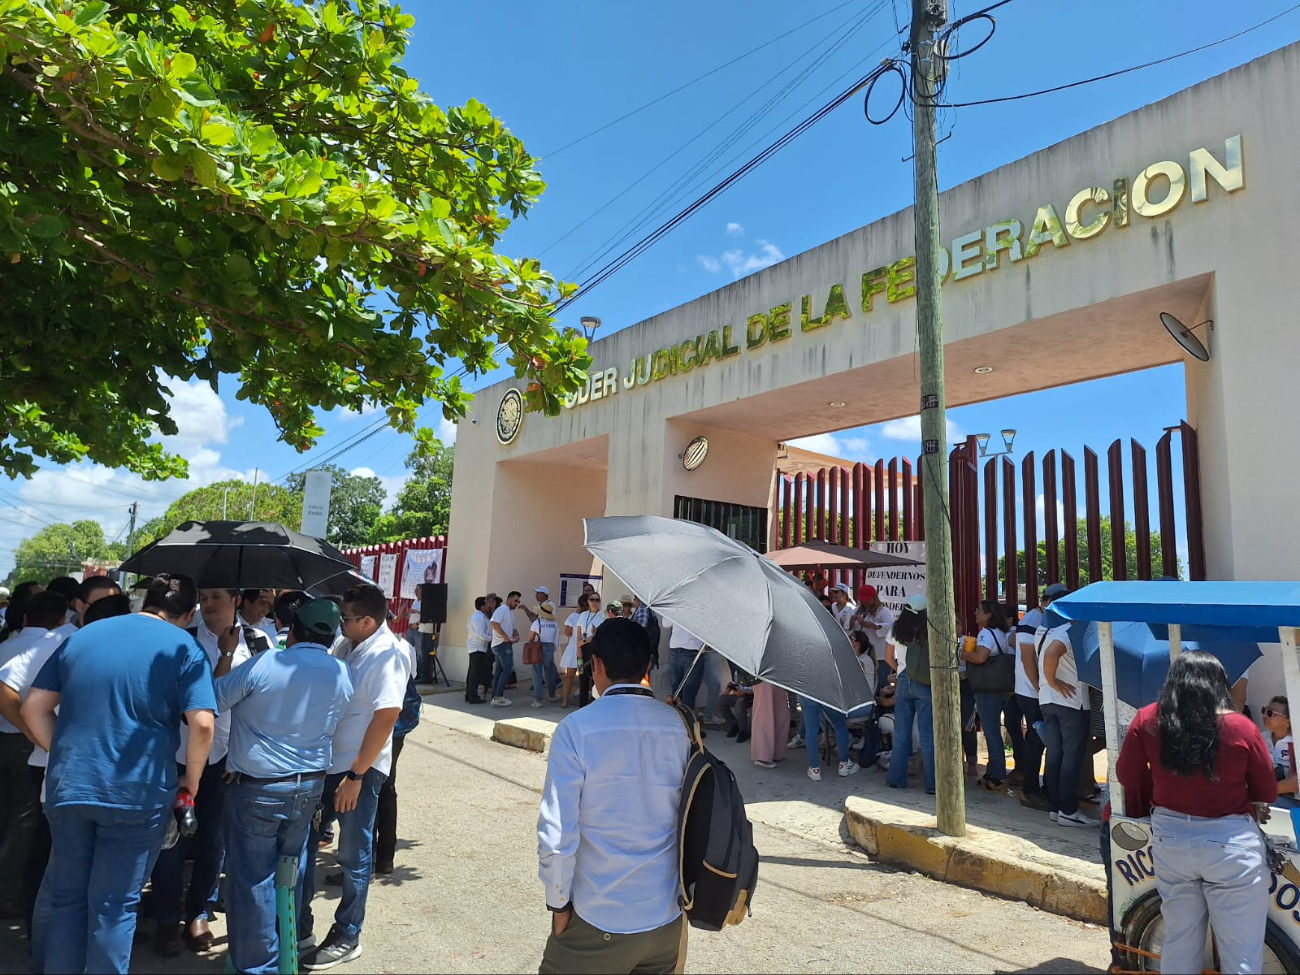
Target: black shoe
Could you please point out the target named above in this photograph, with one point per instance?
(167, 940)
(741, 739)
(335, 951)
(733, 732)
(384, 867)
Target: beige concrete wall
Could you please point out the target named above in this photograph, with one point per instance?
(1072, 312)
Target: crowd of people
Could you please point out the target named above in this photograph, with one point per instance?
(228, 728)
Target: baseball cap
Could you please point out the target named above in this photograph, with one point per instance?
(839, 588)
(543, 590)
(614, 607)
(866, 594)
(625, 598)
(1056, 590)
(319, 617)
(917, 602)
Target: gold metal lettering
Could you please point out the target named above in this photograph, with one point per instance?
(836, 305)
(1073, 225)
(1230, 177)
(660, 369)
(629, 380)
(1171, 171)
(570, 400)
(779, 322)
(611, 381)
(998, 237)
(643, 374)
(806, 322)
(711, 349)
(728, 350)
(584, 394)
(902, 280)
(873, 283)
(691, 346)
(966, 255)
(756, 327)
(1046, 228)
(1119, 203)
(597, 385)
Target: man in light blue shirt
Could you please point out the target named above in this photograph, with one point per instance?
(284, 707)
(607, 833)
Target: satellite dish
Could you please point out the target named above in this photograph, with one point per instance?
(1184, 337)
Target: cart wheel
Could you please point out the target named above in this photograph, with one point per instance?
(1144, 929)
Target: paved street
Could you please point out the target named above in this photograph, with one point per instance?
(465, 896)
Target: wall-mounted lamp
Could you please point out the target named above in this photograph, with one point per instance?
(589, 324)
(1008, 438)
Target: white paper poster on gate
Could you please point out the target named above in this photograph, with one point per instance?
(896, 583)
(368, 566)
(388, 575)
(421, 565)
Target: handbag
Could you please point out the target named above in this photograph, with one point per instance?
(997, 675)
(533, 648)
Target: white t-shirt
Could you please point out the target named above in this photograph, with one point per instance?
(900, 654)
(682, 638)
(844, 615)
(480, 632)
(504, 617)
(26, 652)
(547, 630)
(380, 668)
(877, 638)
(1281, 749)
(1025, 631)
(995, 641)
(1067, 672)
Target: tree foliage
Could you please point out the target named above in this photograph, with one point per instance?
(252, 188)
(234, 499)
(423, 507)
(1107, 556)
(60, 549)
(355, 505)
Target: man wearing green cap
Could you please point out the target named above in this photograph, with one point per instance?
(284, 707)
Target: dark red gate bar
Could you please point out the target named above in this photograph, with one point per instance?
(1165, 499)
(1051, 530)
(991, 530)
(1141, 510)
(1070, 507)
(1192, 501)
(1092, 512)
(909, 534)
(1118, 546)
(1029, 499)
(1010, 568)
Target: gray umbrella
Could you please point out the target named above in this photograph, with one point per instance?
(757, 616)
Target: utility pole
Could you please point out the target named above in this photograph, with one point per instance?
(225, 498)
(252, 505)
(927, 17)
(130, 532)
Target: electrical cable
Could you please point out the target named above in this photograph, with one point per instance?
(655, 101)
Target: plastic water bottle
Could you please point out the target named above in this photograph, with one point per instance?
(187, 823)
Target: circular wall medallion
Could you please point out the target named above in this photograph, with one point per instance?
(510, 416)
(695, 453)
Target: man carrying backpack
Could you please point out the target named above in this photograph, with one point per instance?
(610, 861)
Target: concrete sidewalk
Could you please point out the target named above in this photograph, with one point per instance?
(1009, 850)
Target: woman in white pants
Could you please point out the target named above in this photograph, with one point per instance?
(1210, 778)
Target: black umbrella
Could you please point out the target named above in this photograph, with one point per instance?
(751, 611)
(240, 555)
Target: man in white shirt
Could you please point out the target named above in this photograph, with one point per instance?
(380, 665)
(683, 647)
(21, 658)
(1066, 722)
(479, 642)
(218, 614)
(1030, 761)
(255, 607)
(608, 859)
(842, 606)
(504, 636)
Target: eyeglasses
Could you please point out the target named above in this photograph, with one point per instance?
(352, 619)
(1274, 713)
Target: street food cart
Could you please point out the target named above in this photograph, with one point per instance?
(1207, 615)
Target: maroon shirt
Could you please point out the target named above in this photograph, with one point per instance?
(1243, 769)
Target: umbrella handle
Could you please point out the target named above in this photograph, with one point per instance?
(687, 676)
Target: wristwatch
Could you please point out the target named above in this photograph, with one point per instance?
(352, 776)
(560, 910)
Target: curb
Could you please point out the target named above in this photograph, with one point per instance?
(983, 859)
(527, 733)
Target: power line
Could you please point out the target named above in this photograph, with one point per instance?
(1121, 71)
(693, 81)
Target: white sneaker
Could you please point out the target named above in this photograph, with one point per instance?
(501, 702)
(537, 704)
(815, 774)
(850, 768)
(1053, 815)
(1077, 819)
(795, 742)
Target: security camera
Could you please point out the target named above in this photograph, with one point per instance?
(474, 420)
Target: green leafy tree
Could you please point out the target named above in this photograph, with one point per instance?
(253, 188)
(60, 549)
(355, 505)
(234, 500)
(424, 504)
(1107, 556)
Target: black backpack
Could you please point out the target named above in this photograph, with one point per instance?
(718, 860)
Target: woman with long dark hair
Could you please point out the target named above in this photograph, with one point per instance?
(1209, 773)
(909, 647)
(994, 640)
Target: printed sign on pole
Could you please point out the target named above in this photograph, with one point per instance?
(368, 566)
(316, 503)
(421, 565)
(388, 574)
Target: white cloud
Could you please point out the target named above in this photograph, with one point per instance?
(740, 263)
(909, 428)
(845, 447)
(199, 414)
(735, 229)
(344, 415)
(1040, 508)
(392, 483)
(446, 431)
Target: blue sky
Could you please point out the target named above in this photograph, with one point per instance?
(555, 72)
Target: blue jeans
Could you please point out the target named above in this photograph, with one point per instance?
(505, 660)
(86, 911)
(812, 723)
(1065, 733)
(356, 832)
(264, 822)
(207, 848)
(1210, 871)
(545, 676)
(911, 700)
(679, 661)
(703, 671)
(990, 708)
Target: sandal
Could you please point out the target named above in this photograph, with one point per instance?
(986, 782)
